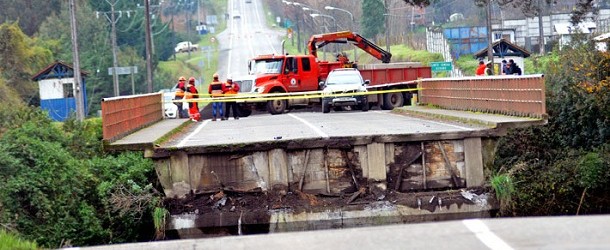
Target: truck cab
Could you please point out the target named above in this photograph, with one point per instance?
(280, 74)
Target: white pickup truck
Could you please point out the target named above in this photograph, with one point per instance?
(186, 47)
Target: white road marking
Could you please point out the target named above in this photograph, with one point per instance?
(485, 235)
(430, 121)
(314, 128)
(181, 144)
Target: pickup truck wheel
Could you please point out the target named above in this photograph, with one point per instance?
(325, 106)
(365, 105)
(392, 100)
(275, 107)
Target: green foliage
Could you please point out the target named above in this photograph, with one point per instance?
(59, 186)
(10, 241)
(372, 22)
(20, 60)
(467, 64)
(555, 165)
(159, 219)
(503, 186)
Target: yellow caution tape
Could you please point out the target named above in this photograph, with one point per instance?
(254, 97)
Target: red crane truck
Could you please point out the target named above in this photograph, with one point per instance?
(298, 74)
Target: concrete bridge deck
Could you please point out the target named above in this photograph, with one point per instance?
(417, 121)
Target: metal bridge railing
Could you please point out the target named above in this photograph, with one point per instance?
(126, 114)
(509, 95)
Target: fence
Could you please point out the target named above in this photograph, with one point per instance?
(510, 95)
(436, 43)
(124, 115)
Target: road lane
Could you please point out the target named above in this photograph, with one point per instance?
(310, 125)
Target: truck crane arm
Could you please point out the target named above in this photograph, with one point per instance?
(321, 40)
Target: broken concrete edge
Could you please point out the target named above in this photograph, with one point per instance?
(426, 204)
(345, 142)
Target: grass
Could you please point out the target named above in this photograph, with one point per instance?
(11, 241)
(504, 188)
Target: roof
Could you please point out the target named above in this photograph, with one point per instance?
(504, 48)
(568, 28)
(602, 38)
(58, 69)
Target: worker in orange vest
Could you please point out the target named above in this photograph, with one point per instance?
(192, 93)
(179, 95)
(216, 89)
(231, 89)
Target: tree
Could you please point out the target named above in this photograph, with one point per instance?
(28, 13)
(372, 18)
(21, 59)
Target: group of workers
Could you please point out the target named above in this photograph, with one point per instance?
(187, 90)
(508, 68)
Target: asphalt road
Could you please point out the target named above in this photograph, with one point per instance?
(311, 125)
(245, 37)
(565, 232)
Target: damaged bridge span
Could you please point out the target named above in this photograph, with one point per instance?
(308, 170)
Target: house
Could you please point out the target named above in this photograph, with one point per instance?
(56, 88)
(567, 30)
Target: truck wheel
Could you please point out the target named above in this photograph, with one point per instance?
(325, 106)
(392, 100)
(365, 105)
(275, 107)
(338, 108)
(244, 111)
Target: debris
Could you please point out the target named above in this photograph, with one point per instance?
(448, 164)
(480, 200)
(304, 170)
(220, 203)
(232, 209)
(418, 203)
(440, 204)
(432, 199)
(407, 162)
(355, 195)
(277, 137)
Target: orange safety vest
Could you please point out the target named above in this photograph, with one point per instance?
(231, 88)
(215, 89)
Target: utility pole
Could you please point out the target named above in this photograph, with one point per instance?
(387, 25)
(540, 27)
(149, 75)
(490, 53)
(113, 20)
(80, 104)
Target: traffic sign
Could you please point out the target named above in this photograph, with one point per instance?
(123, 70)
(441, 66)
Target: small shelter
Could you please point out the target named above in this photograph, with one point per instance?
(57, 90)
(505, 50)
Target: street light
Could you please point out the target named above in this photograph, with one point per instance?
(310, 9)
(353, 22)
(314, 15)
(297, 21)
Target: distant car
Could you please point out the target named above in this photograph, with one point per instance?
(248, 1)
(236, 15)
(185, 46)
(170, 110)
(344, 82)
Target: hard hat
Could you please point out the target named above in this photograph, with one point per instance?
(182, 78)
(229, 78)
(192, 79)
(215, 75)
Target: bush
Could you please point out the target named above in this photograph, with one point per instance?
(564, 167)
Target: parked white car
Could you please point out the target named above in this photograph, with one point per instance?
(185, 47)
(339, 86)
(170, 110)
